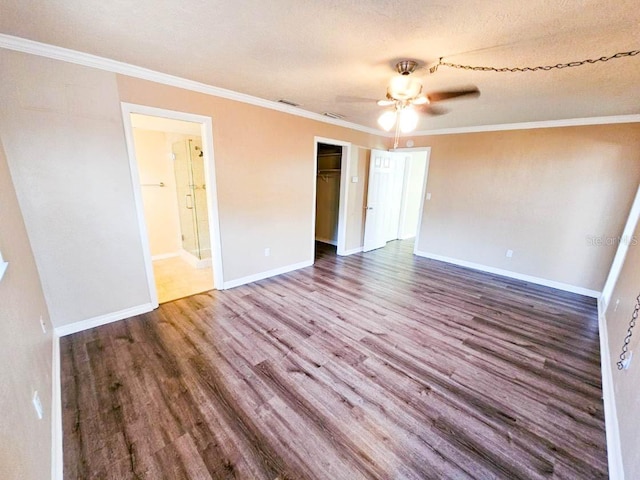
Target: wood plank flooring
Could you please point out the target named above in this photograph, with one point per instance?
(374, 366)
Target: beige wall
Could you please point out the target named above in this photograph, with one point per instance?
(62, 130)
(64, 138)
(155, 165)
(265, 174)
(626, 382)
(542, 193)
(25, 351)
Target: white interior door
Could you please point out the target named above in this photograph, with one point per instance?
(394, 200)
(380, 168)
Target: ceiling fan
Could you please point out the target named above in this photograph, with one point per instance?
(404, 94)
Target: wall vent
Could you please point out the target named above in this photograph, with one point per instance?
(288, 102)
(337, 116)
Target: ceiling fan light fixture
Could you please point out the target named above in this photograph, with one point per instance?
(408, 120)
(387, 120)
(404, 87)
(420, 100)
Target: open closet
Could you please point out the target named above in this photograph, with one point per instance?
(328, 192)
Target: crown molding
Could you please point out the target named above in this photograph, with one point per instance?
(568, 122)
(32, 47)
(24, 45)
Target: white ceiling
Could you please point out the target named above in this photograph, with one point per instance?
(322, 54)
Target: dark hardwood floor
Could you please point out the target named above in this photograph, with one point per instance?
(374, 366)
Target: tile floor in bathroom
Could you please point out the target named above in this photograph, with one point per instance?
(176, 278)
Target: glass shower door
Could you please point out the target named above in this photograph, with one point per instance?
(192, 197)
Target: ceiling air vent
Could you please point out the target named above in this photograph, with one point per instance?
(288, 102)
(337, 116)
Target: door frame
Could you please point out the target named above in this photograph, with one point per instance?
(345, 168)
(206, 133)
(424, 188)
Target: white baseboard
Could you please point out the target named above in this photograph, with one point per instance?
(267, 274)
(507, 273)
(163, 256)
(351, 251)
(327, 241)
(56, 412)
(75, 327)
(614, 453)
(194, 261)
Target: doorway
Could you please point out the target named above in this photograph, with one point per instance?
(395, 196)
(174, 180)
(331, 193)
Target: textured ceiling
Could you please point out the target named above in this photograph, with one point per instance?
(323, 54)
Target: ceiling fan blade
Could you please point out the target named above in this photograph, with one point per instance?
(431, 110)
(450, 94)
(386, 103)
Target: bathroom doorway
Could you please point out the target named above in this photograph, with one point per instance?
(176, 196)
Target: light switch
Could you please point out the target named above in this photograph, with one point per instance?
(428, 196)
(354, 179)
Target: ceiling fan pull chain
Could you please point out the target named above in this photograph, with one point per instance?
(545, 68)
(627, 339)
(434, 68)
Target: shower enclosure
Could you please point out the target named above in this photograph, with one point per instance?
(191, 190)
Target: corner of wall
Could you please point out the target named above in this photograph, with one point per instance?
(56, 413)
(614, 452)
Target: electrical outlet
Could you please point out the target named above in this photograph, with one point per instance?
(627, 361)
(37, 404)
(267, 252)
(428, 196)
(43, 325)
(509, 253)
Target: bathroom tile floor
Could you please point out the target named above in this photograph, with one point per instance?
(176, 278)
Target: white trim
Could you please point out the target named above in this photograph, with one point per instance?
(327, 241)
(57, 460)
(194, 261)
(137, 195)
(568, 122)
(81, 325)
(164, 256)
(403, 199)
(18, 44)
(3, 267)
(345, 168)
(352, 251)
(507, 273)
(24, 45)
(215, 232)
(423, 194)
(206, 132)
(267, 274)
(410, 149)
(621, 252)
(614, 453)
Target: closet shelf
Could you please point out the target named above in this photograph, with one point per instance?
(328, 170)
